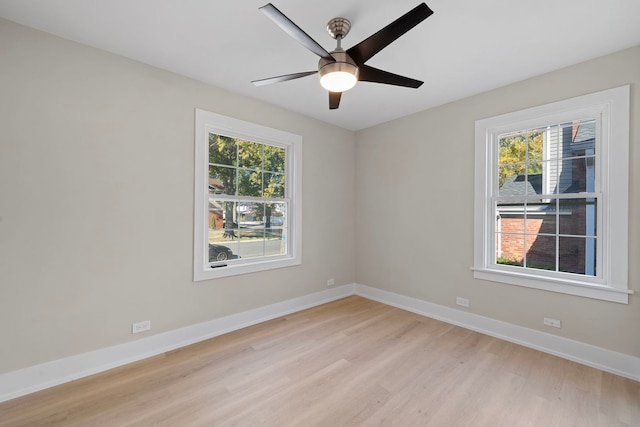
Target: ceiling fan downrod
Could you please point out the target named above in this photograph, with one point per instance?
(341, 74)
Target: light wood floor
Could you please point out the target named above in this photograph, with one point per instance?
(349, 362)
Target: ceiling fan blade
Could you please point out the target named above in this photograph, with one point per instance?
(367, 48)
(370, 74)
(284, 78)
(294, 31)
(334, 100)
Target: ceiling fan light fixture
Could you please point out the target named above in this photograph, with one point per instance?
(339, 75)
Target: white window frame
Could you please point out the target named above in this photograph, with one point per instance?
(611, 110)
(207, 123)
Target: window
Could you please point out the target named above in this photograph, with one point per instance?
(551, 196)
(247, 203)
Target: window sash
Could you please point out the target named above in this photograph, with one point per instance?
(539, 215)
(247, 236)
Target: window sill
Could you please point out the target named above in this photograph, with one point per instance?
(208, 272)
(569, 287)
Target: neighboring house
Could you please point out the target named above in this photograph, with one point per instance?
(571, 220)
(216, 211)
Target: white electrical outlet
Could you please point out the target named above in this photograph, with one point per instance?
(140, 326)
(548, 321)
(331, 282)
(462, 301)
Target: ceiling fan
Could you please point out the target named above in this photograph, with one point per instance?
(340, 69)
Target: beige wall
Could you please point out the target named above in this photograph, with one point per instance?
(96, 201)
(96, 181)
(414, 213)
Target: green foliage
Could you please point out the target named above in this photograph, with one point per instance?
(247, 168)
(519, 152)
(507, 261)
(222, 150)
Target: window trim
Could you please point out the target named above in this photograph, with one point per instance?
(206, 123)
(612, 108)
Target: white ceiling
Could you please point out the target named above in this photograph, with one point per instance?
(465, 47)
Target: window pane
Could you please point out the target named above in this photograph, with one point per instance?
(541, 217)
(578, 217)
(229, 222)
(510, 249)
(520, 184)
(577, 175)
(251, 244)
(541, 252)
(534, 178)
(216, 215)
(273, 185)
(222, 235)
(510, 180)
(249, 155)
(577, 255)
(250, 214)
(273, 159)
(274, 246)
(510, 233)
(275, 220)
(249, 183)
(223, 252)
(535, 145)
(222, 180)
(512, 148)
(275, 226)
(250, 229)
(258, 237)
(511, 222)
(583, 136)
(222, 150)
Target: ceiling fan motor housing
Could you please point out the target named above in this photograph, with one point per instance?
(343, 68)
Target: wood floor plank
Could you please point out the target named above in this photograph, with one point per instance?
(349, 362)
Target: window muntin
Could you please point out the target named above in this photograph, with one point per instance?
(552, 195)
(247, 200)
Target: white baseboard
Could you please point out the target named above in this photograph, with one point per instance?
(29, 380)
(586, 354)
